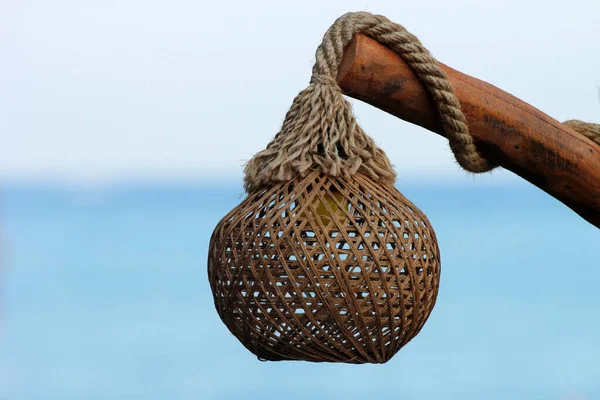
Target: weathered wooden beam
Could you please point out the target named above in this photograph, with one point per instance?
(507, 130)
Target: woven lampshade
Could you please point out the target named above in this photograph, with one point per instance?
(322, 268)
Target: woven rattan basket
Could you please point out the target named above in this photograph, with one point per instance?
(324, 269)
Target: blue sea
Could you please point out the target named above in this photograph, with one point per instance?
(104, 295)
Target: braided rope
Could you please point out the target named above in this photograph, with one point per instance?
(423, 64)
(320, 130)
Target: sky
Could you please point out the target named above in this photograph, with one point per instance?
(107, 91)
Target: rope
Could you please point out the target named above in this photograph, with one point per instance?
(320, 130)
(587, 129)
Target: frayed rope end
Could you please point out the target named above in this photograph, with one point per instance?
(319, 132)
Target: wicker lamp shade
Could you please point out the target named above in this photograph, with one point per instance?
(323, 268)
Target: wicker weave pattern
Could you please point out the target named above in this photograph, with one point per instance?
(321, 269)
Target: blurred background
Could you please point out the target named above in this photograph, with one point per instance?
(124, 128)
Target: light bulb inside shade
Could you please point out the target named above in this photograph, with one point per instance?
(332, 205)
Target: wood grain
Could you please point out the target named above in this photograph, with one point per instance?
(508, 131)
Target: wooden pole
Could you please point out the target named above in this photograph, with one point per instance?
(508, 131)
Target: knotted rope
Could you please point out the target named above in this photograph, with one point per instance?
(320, 130)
